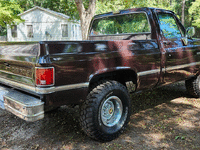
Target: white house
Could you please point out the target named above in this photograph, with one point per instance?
(44, 25)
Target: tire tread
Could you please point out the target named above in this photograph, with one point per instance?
(192, 86)
(86, 110)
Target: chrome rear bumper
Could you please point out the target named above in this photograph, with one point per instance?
(22, 105)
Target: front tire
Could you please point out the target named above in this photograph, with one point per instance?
(106, 112)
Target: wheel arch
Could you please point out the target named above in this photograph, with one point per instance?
(121, 75)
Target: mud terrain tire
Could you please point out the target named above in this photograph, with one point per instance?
(193, 86)
(106, 112)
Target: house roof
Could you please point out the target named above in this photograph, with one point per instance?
(46, 10)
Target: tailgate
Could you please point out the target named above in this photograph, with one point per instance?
(17, 62)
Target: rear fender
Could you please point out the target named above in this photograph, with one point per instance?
(120, 74)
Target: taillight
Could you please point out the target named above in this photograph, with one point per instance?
(44, 76)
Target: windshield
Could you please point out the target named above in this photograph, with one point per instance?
(120, 24)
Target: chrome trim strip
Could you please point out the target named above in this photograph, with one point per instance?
(167, 69)
(16, 84)
(148, 72)
(182, 66)
(61, 88)
(39, 90)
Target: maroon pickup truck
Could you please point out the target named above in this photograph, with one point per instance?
(126, 52)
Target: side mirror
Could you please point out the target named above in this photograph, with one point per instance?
(190, 31)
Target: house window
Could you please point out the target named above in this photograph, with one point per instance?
(79, 32)
(14, 31)
(73, 31)
(64, 30)
(76, 33)
(30, 31)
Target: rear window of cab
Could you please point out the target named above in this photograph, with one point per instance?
(121, 24)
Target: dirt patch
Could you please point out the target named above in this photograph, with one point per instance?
(164, 118)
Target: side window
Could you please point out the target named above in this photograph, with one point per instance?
(64, 30)
(30, 31)
(168, 26)
(14, 31)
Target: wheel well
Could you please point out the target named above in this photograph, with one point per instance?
(122, 76)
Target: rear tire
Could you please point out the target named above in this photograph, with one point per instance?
(106, 112)
(193, 86)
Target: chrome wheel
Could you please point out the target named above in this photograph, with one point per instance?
(111, 111)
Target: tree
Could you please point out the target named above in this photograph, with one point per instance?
(3, 31)
(104, 6)
(8, 13)
(67, 7)
(194, 11)
(85, 15)
(183, 12)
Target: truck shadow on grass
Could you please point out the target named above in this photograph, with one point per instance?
(157, 96)
(163, 118)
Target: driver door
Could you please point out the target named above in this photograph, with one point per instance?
(177, 52)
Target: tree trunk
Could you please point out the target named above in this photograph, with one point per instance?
(183, 13)
(85, 16)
